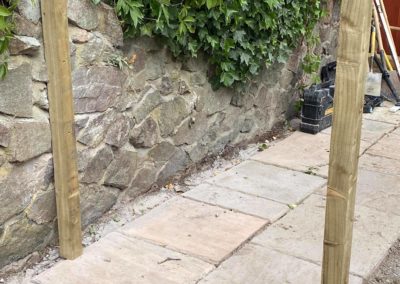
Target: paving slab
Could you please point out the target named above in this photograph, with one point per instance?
(209, 232)
(379, 191)
(230, 199)
(259, 265)
(300, 233)
(302, 152)
(119, 259)
(274, 183)
(371, 130)
(380, 164)
(384, 114)
(388, 146)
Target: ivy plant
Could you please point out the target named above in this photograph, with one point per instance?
(6, 9)
(239, 37)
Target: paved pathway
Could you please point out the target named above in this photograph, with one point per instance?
(260, 222)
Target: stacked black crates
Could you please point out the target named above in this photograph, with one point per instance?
(317, 111)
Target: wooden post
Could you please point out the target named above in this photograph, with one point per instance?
(351, 74)
(56, 43)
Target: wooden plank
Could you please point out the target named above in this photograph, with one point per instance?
(385, 24)
(395, 28)
(351, 74)
(56, 43)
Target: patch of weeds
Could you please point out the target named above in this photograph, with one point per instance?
(118, 61)
(262, 147)
(312, 171)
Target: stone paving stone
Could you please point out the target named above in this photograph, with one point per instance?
(277, 184)
(119, 259)
(380, 164)
(300, 233)
(238, 201)
(372, 130)
(388, 147)
(302, 152)
(259, 265)
(192, 227)
(383, 114)
(379, 191)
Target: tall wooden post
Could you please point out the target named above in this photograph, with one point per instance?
(351, 74)
(56, 42)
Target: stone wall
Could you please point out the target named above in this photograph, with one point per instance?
(136, 126)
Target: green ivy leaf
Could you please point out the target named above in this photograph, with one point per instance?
(239, 37)
(4, 12)
(3, 70)
(212, 3)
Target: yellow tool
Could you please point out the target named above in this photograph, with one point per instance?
(380, 41)
(374, 80)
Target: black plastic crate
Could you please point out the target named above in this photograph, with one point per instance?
(317, 109)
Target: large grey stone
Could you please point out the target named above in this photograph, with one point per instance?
(118, 133)
(43, 207)
(96, 130)
(162, 153)
(258, 265)
(177, 163)
(192, 130)
(145, 135)
(277, 184)
(40, 98)
(95, 201)
(143, 181)
(83, 14)
(5, 134)
(93, 163)
(21, 183)
(155, 67)
(24, 45)
(374, 233)
(195, 228)
(171, 114)
(20, 237)
(95, 52)
(151, 99)
(30, 10)
(109, 25)
(212, 102)
(122, 170)
(24, 27)
(16, 99)
(230, 199)
(96, 88)
(78, 35)
(118, 259)
(29, 139)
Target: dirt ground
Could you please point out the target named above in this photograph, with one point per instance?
(389, 271)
